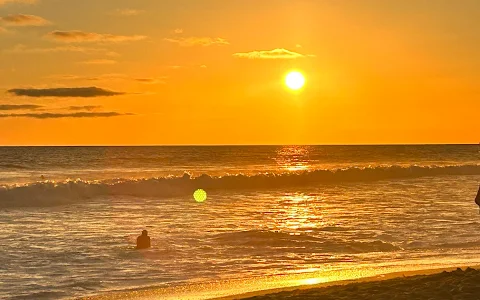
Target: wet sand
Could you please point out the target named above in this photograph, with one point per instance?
(426, 284)
(459, 284)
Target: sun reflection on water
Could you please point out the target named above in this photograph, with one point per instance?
(299, 213)
(293, 158)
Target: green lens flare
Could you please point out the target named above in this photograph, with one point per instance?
(200, 195)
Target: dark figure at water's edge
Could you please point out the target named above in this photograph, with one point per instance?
(477, 199)
(143, 241)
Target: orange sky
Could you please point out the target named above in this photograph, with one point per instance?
(209, 72)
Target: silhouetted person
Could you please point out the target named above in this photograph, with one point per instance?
(477, 199)
(143, 241)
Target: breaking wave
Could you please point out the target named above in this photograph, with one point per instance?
(57, 193)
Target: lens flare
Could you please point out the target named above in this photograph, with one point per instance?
(200, 195)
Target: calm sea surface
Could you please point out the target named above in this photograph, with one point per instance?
(69, 216)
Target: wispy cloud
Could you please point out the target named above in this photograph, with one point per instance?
(68, 48)
(2, 2)
(99, 62)
(24, 20)
(126, 12)
(178, 31)
(84, 92)
(186, 67)
(271, 54)
(198, 41)
(76, 36)
(159, 80)
(85, 107)
(19, 107)
(67, 115)
(113, 54)
(108, 77)
(65, 77)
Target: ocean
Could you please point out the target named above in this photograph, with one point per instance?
(69, 216)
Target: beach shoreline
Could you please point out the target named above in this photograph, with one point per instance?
(287, 292)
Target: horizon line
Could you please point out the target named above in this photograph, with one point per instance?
(244, 145)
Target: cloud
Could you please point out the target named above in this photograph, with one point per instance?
(19, 107)
(85, 107)
(84, 92)
(150, 80)
(2, 2)
(68, 48)
(178, 31)
(67, 115)
(76, 36)
(187, 67)
(65, 77)
(99, 62)
(198, 41)
(271, 54)
(107, 77)
(127, 12)
(24, 20)
(113, 54)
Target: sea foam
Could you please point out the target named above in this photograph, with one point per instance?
(50, 193)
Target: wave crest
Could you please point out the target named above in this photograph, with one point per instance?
(58, 193)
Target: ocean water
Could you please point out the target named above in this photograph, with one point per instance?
(69, 216)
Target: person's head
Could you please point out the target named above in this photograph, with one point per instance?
(144, 232)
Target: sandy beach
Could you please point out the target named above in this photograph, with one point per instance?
(458, 284)
(427, 284)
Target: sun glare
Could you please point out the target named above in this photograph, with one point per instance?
(295, 80)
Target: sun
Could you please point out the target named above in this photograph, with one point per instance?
(295, 80)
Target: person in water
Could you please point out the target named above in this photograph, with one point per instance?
(143, 241)
(477, 199)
